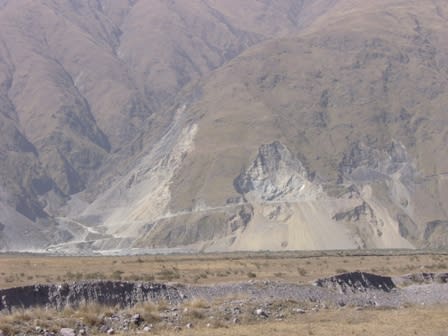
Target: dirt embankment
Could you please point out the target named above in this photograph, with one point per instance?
(355, 288)
(357, 282)
(103, 292)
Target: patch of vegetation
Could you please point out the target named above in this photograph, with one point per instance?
(168, 274)
(116, 275)
(302, 271)
(251, 275)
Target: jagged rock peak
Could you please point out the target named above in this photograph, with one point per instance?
(275, 174)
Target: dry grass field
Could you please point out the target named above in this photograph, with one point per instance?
(411, 321)
(301, 267)
(398, 322)
(345, 321)
(406, 322)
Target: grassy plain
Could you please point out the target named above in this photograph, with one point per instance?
(412, 320)
(301, 267)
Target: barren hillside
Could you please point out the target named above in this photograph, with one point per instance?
(218, 125)
(81, 79)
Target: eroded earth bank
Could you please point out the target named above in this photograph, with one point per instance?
(93, 307)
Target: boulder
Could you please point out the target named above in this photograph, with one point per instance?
(67, 332)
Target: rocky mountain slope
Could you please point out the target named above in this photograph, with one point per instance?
(282, 125)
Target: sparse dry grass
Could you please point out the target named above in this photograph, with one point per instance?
(412, 320)
(197, 303)
(18, 270)
(403, 322)
(294, 267)
(25, 321)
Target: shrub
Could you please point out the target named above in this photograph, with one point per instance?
(251, 275)
(302, 271)
(116, 275)
(168, 274)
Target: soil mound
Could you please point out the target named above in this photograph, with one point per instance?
(103, 292)
(357, 282)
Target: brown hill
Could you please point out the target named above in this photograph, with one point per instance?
(80, 78)
(328, 132)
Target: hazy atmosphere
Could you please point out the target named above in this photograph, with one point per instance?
(222, 126)
(224, 167)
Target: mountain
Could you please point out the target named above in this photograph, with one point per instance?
(190, 124)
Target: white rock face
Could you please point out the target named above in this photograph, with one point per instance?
(276, 175)
(150, 187)
(291, 211)
(281, 206)
(143, 194)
